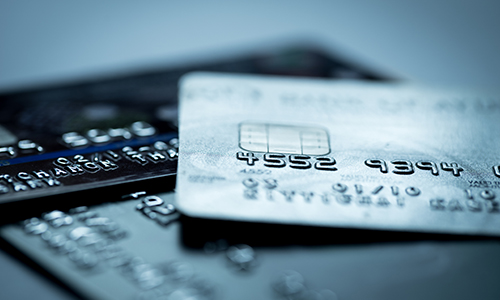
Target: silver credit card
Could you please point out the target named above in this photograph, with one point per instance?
(384, 156)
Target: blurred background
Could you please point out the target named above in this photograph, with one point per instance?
(452, 42)
(49, 42)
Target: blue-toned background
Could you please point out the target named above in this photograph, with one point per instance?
(41, 42)
(450, 42)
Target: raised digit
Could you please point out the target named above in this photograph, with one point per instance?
(402, 167)
(452, 167)
(274, 160)
(325, 164)
(428, 165)
(248, 157)
(299, 161)
(377, 163)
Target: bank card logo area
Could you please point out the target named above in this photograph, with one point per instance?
(286, 139)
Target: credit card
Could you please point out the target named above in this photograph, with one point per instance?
(117, 133)
(133, 249)
(347, 154)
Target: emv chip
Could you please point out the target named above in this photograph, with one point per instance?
(275, 138)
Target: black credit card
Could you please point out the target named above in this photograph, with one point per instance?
(140, 249)
(117, 132)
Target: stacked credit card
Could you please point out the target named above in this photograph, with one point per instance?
(247, 183)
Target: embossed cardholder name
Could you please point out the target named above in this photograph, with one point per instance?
(339, 153)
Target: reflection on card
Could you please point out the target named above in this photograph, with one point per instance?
(339, 153)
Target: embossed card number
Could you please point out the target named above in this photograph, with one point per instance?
(278, 160)
(405, 167)
(320, 153)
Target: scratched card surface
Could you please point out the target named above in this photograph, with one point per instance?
(344, 154)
